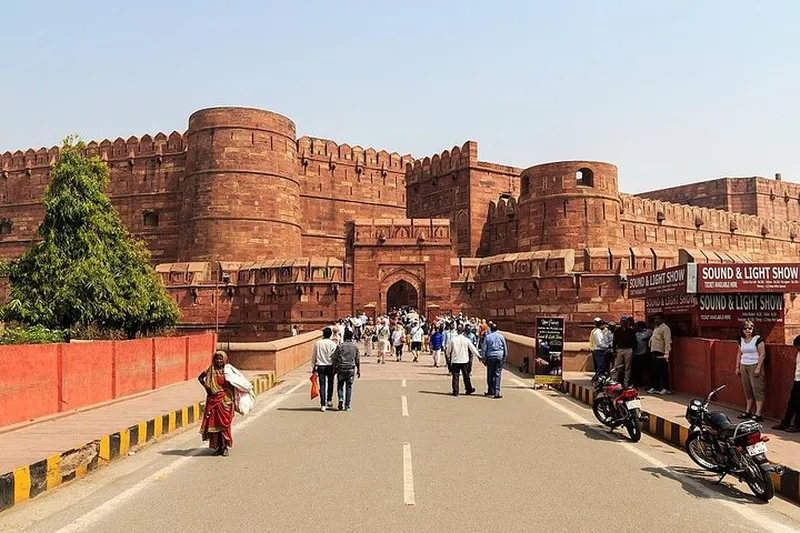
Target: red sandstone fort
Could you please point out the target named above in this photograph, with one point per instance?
(253, 229)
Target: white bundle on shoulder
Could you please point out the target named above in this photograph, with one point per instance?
(244, 398)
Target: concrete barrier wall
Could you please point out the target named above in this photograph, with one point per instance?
(46, 379)
(280, 356)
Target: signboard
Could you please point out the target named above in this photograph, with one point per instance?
(676, 280)
(732, 309)
(549, 350)
(671, 305)
(748, 278)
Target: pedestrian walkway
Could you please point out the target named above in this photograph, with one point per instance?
(784, 448)
(36, 441)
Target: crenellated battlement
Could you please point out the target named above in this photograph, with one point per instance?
(309, 148)
(447, 161)
(656, 212)
(107, 150)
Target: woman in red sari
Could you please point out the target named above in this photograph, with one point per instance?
(218, 412)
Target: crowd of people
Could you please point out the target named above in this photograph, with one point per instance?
(638, 354)
(453, 341)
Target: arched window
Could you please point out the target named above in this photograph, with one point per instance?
(585, 177)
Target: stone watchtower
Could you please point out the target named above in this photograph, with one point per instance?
(569, 205)
(241, 194)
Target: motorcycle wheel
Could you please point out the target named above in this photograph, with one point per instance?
(603, 410)
(695, 448)
(759, 481)
(634, 426)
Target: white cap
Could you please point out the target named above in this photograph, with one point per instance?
(598, 319)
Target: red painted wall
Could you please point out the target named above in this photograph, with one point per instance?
(170, 361)
(699, 365)
(44, 379)
(134, 371)
(26, 387)
(86, 373)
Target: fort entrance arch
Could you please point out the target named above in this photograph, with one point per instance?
(401, 294)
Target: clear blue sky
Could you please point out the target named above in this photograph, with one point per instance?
(671, 91)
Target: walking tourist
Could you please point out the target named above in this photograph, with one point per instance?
(624, 344)
(416, 340)
(322, 365)
(793, 408)
(660, 346)
(751, 368)
(437, 345)
(383, 333)
(398, 340)
(460, 352)
(347, 366)
(220, 379)
(495, 353)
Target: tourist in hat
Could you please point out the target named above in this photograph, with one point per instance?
(383, 334)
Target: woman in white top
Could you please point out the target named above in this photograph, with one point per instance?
(751, 368)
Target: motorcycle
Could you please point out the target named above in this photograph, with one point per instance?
(615, 406)
(723, 447)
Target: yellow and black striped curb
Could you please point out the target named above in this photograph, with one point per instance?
(30, 481)
(676, 434)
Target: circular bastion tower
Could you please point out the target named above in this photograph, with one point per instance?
(241, 194)
(569, 204)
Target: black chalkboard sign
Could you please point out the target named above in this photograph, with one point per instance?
(549, 350)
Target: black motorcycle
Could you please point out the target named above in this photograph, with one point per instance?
(724, 447)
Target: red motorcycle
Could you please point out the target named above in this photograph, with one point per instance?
(615, 406)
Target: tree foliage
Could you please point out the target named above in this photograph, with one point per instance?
(87, 270)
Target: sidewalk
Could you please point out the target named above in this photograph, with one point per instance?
(667, 422)
(41, 454)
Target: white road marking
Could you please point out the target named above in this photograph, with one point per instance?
(408, 475)
(404, 383)
(98, 513)
(763, 522)
(404, 401)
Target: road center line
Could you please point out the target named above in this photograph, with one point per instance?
(404, 383)
(404, 402)
(83, 522)
(763, 522)
(408, 475)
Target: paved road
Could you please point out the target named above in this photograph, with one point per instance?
(532, 461)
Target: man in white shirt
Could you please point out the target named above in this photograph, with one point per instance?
(599, 343)
(416, 340)
(459, 353)
(322, 365)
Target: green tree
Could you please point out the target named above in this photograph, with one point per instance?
(87, 270)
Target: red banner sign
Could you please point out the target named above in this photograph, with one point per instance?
(748, 278)
(671, 304)
(732, 309)
(675, 280)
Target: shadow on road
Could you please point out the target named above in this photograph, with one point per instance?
(689, 478)
(190, 452)
(594, 432)
(299, 408)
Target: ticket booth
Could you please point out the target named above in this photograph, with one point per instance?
(713, 300)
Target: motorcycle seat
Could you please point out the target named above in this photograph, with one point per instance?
(728, 428)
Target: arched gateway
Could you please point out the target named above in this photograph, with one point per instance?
(401, 294)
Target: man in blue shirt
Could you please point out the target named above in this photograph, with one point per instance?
(494, 353)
